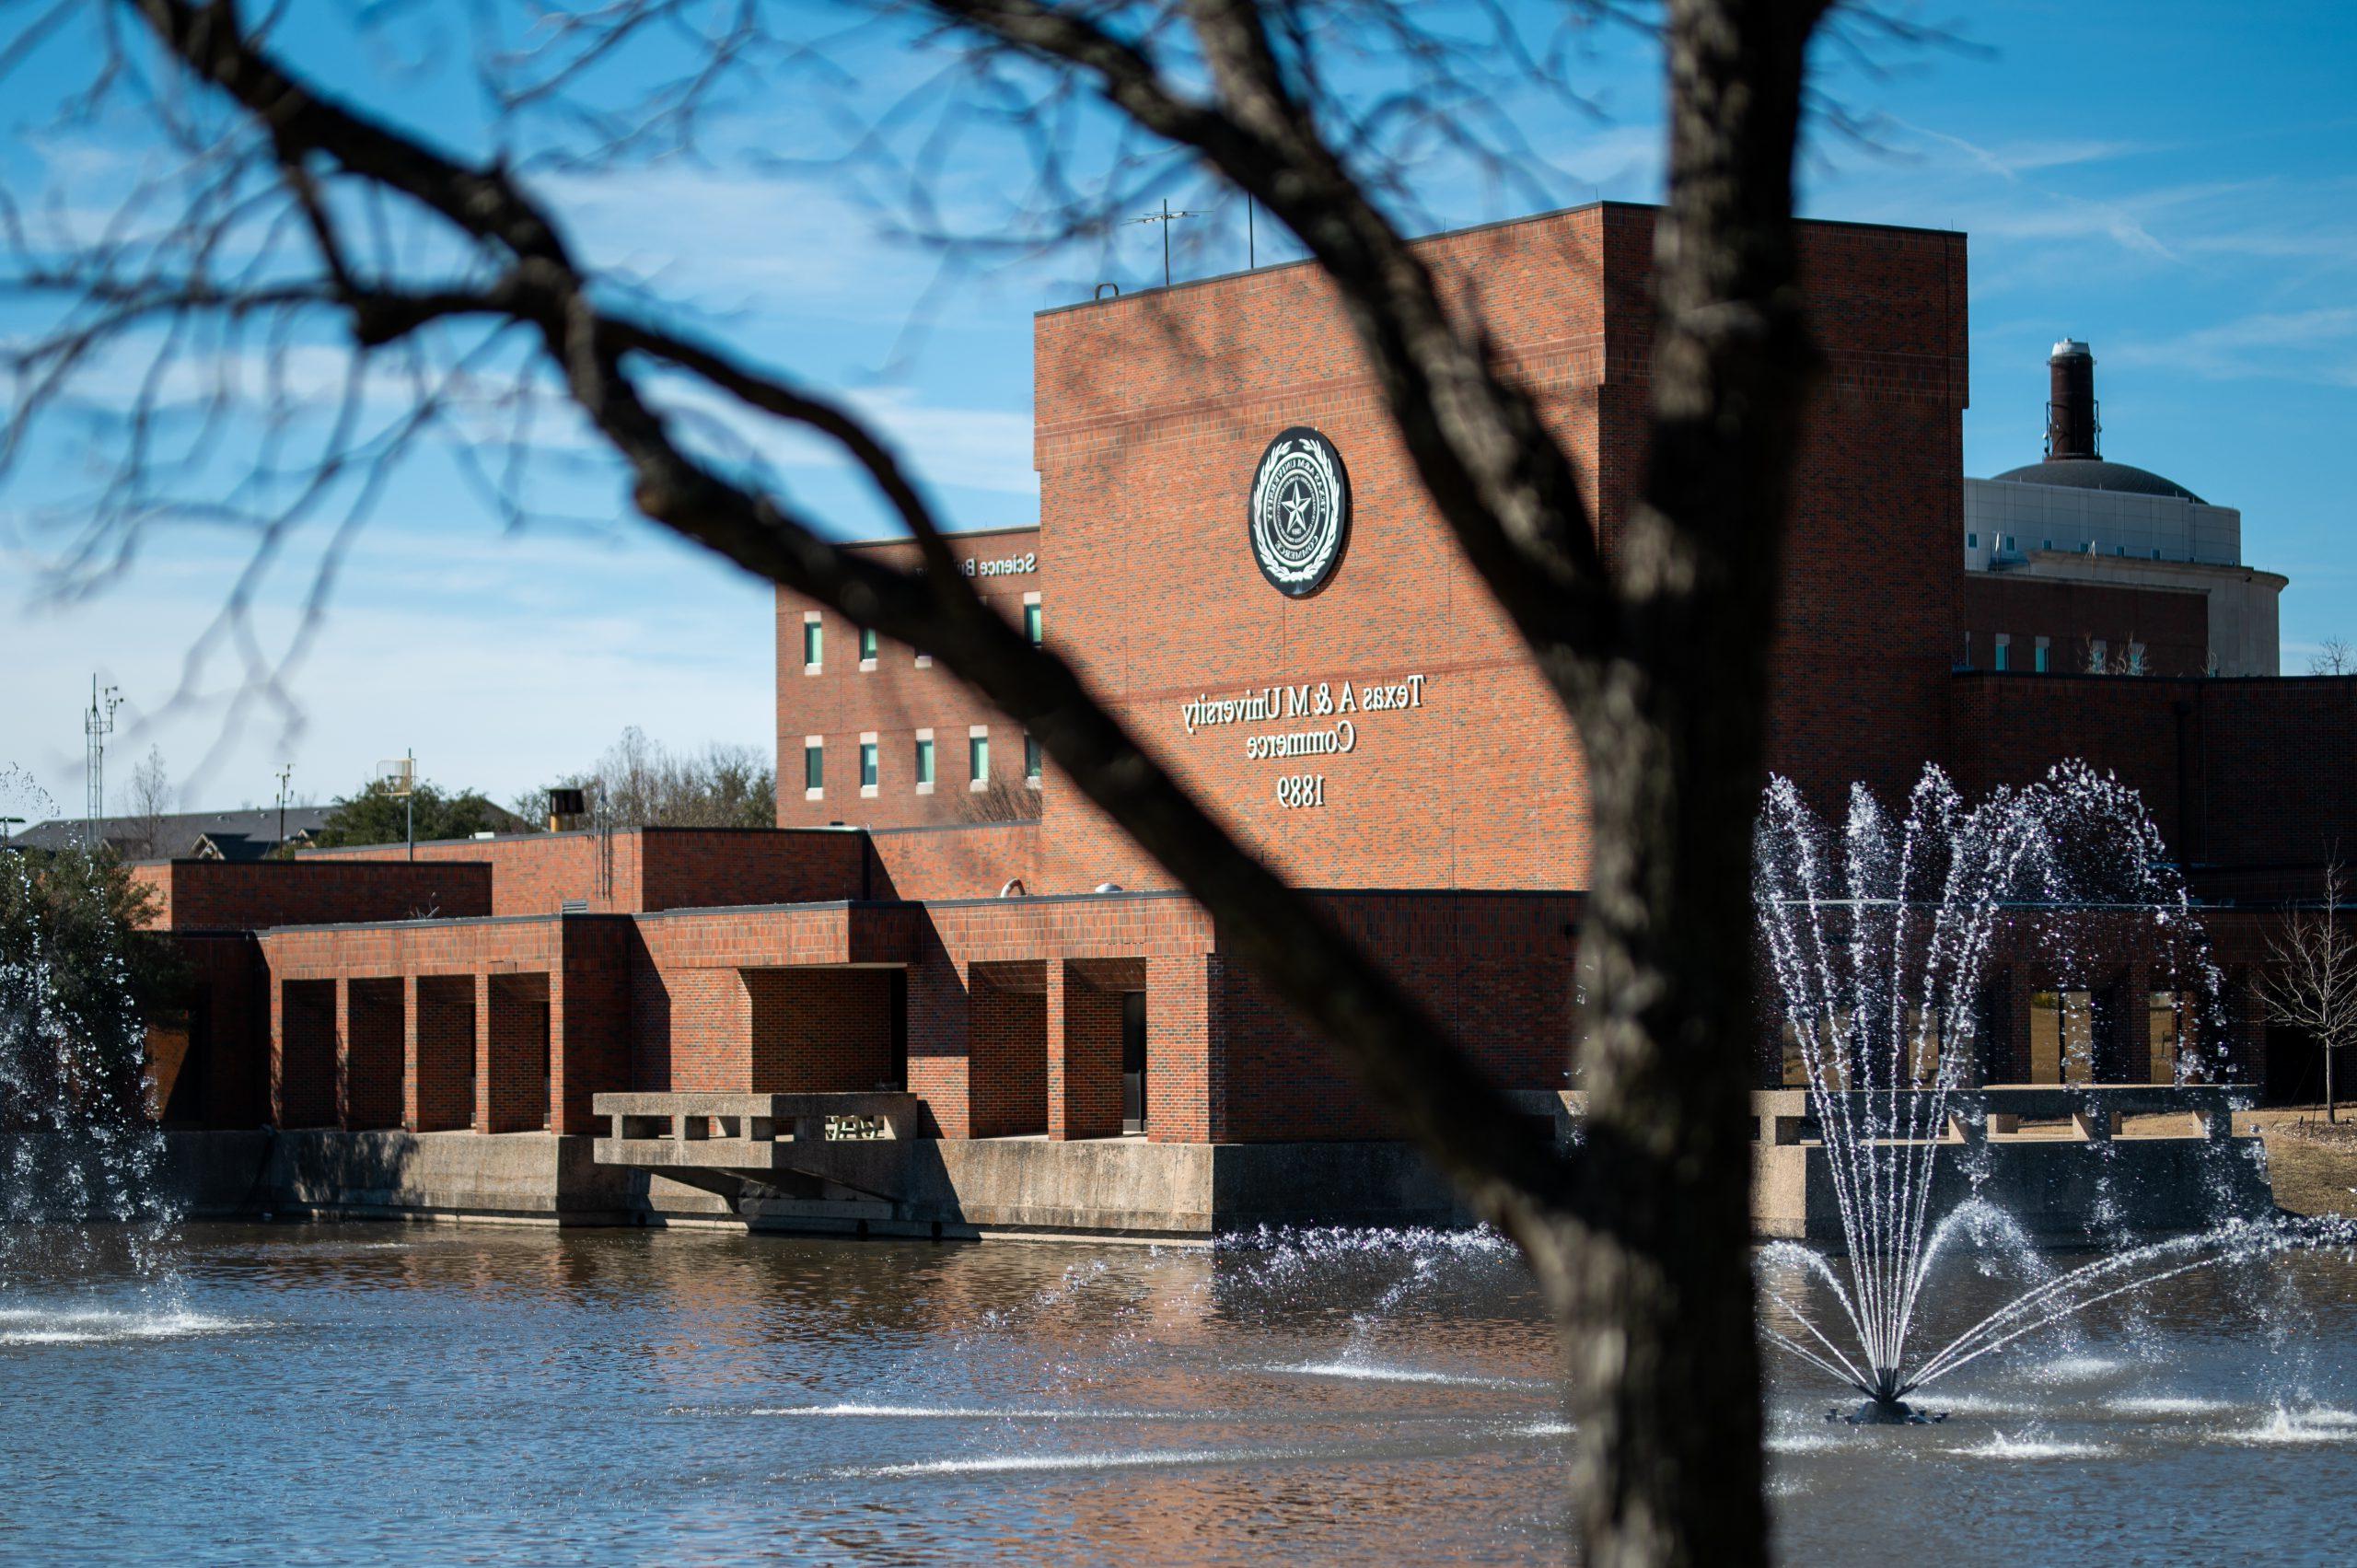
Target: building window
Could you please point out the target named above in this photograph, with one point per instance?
(867, 647)
(814, 646)
(978, 757)
(924, 762)
(2040, 655)
(2050, 544)
(814, 768)
(1032, 760)
(1972, 542)
(2004, 656)
(2009, 541)
(867, 764)
(1031, 618)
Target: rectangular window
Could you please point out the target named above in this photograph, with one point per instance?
(1033, 761)
(978, 757)
(2040, 655)
(924, 764)
(2048, 545)
(814, 646)
(1031, 618)
(2168, 1027)
(814, 768)
(2004, 652)
(867, 764)
(2009, 541)
(2062, 1037)
(1972, 542)
(867, 647)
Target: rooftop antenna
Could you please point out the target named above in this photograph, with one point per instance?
(285, 773)
(1166, 217)
(97, 723)
(400, 778)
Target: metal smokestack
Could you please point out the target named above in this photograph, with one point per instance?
(2072, 427)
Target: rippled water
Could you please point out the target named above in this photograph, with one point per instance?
(440, 1394)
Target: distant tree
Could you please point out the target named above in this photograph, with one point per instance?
(150, 801)
(80, 975)
(2312, 984)
(1003, 800)
(2333, 656)
(639, 784)
(2131, 660)
(377, 815)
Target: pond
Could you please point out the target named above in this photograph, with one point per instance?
(486, 1394)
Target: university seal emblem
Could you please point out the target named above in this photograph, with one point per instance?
(1300, 511)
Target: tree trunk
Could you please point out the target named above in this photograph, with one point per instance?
(1664, 1353)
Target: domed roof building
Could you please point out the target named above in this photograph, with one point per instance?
(2078, 563)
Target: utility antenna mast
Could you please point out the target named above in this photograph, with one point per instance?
(1166, 217)
(285, 775)
(97, 723)
(400, 778)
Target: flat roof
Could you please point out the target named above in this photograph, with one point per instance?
(1470, 229)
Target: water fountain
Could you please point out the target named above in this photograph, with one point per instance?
(78, 1143)
(1879, 944)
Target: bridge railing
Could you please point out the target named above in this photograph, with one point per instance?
(2095, 1111)
(689, 1118)
(1971, 1115)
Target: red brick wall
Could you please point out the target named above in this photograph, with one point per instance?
(1006, 1033)
(228, 1031)
(512, 1077)
(973, 861)
(305, 1055)
(1084, 1021)
(215, 895)
(2172, 624)
(818, 1031)
(1495, 970)
(636, 869)
(1142, 484)
(894, 700)
(531, 873)
(441, 1091)
(2249, 773)
(707, 868)
(374, 1042)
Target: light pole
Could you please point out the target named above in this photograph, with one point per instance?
(285, 773)
(97, 723)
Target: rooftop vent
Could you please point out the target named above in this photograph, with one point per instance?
(2072, 427)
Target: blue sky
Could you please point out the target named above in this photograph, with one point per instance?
(2170, 181)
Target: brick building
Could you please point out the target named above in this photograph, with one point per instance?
(1235, 550)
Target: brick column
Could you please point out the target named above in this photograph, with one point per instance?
(275, 1053)
(343, 1053)
(411, 1119)
(558, 1121)
(483, 1053)
(1084, 1054)
(1184, 1066)
(1059, 982)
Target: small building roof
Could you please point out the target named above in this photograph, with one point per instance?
(183, 835)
